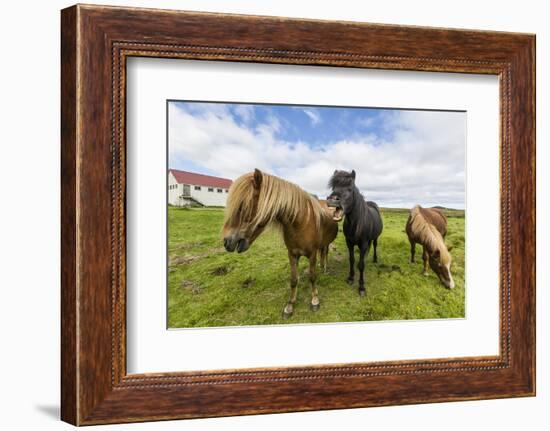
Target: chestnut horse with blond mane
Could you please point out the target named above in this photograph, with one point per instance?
(257, 200)
(428, 227)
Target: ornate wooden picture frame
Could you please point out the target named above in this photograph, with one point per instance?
(96, 42)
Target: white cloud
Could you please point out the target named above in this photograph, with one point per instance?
(422, 160)
(245, 112)
(367, 122)
(313, 115)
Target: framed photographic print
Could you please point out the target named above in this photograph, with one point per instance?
(279, 215)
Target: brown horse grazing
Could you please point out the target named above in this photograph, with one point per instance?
(257, 200)
(428, 227)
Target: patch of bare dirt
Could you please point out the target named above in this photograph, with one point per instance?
(176, 260)
(191, 286)
(336, 256)
(189, 245)
(182, 260)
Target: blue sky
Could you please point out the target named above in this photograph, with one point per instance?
(401, 157)
(316, 125)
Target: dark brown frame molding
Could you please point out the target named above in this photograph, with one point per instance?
(95, 43)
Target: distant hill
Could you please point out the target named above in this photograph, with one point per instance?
(449, 212)
(439, 207)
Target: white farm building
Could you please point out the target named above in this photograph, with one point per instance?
(188, 188)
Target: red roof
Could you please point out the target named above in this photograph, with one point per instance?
(183, 177)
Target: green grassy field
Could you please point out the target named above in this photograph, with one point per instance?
(209, 287)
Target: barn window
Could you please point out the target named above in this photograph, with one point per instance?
(220, 190)
(210, 189)
(197, 187)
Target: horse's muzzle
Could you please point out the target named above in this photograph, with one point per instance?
(231, 243)
(242, 245)
(332, 202)
(338, 213)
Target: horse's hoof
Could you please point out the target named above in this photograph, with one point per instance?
(362, 293)
(349, 280)
(314, 307)
(287, 315)
(425, 274)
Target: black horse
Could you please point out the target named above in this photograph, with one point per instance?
(362, 225)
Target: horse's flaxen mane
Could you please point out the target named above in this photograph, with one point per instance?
(428, 234)
(277, 200)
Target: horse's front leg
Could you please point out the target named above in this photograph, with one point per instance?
(363, 251)
(322, 259)
(312, 278)
(425, 260)
(289, 307)
(351, 275)
(413, 250)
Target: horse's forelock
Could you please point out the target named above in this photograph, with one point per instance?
(341, 179)
(240, 200)
(444, 255)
